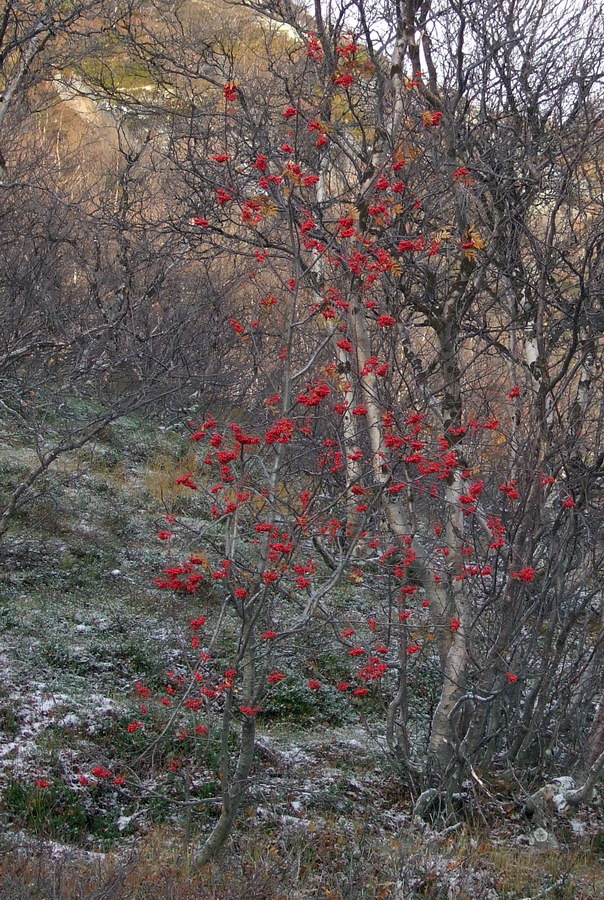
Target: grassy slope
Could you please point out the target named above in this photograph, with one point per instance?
(82, 622)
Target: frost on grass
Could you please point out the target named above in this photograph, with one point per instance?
(82, 624)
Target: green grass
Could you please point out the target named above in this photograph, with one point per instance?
(60, 813)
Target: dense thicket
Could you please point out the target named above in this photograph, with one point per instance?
(372, 230)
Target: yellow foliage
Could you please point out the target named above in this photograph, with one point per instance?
(330, 372)
(202, 560)
(407, 150)
(476, 238)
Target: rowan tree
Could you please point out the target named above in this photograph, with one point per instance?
(417, 201)
(407, 203)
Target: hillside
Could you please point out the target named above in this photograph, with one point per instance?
(327, 814)
(301, 450)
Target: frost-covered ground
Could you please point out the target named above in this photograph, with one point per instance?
(327, 815)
